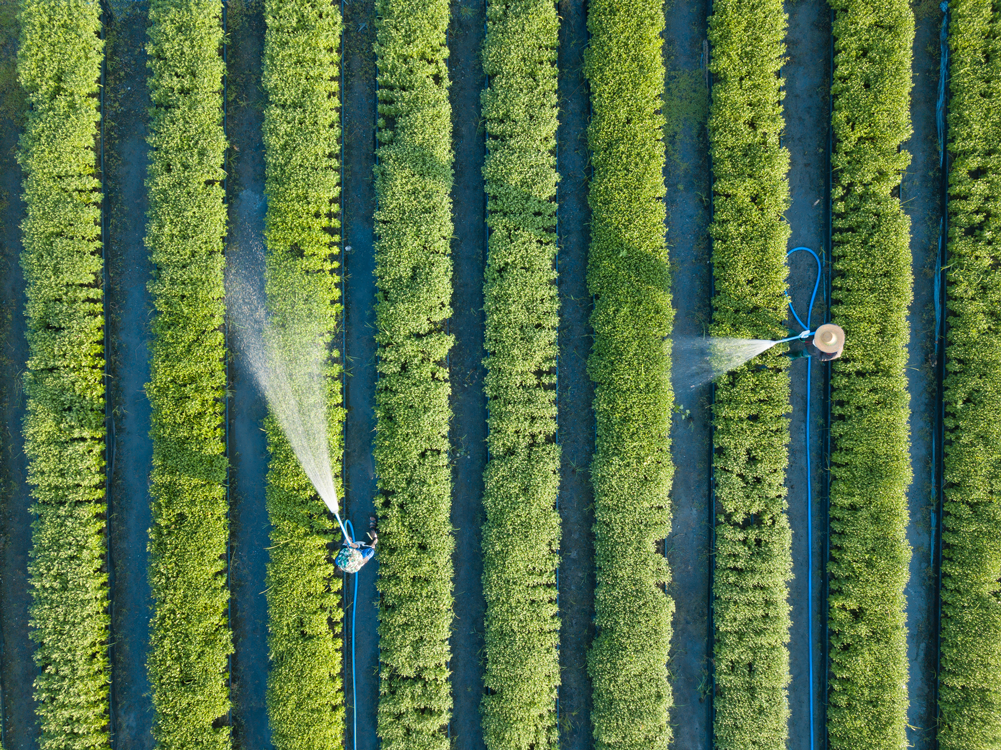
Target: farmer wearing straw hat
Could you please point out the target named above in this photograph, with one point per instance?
(826, 344)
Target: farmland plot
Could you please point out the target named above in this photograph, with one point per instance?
(59, 65)
(629, 279)
(413, 227)
(521, 532)
(302, 147)
(751, 423)
(871, 291)
(969, 693)
(190, 638)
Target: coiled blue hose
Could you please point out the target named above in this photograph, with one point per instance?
(354, 691)
(809, 479)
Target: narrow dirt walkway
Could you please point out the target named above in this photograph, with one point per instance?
(126, 156)
(469, 405)
(18, 668)
(687, 178)
(576, 392)
(359, 116)
(248, 453)
(921, 196)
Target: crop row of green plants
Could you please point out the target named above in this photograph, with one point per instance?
(871, 290)
(190, 638)
(521, 531)
(629, 278)
(969, 689)
(413, 234)
(750, 415)
(301, 77)
(59, 67)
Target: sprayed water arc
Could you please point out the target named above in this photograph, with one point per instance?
(289, 362)
(699, 360)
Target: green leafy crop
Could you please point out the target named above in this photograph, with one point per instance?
(871, 291)
(522, 528)
(190, 638)
(969, 689)
(751, 436)
(302, 152)
(413, 230)
(59, 66)
(629, 277)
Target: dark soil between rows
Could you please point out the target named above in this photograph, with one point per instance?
(688, 190)
(249, 525)
(358, 205)
(575, 394)
(469, 404)
(17, 668)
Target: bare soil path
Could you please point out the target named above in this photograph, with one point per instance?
(920, 193)
(807, 115)
(687, 179)
(575, 391)
(248, 454)
(17, 668)
(359, 117)
(126, 158)
(469, 404)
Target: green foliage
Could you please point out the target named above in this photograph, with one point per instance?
(751, 436)
(190, 639)
(629, 277)
(969, 690)
(59, 66)
(871, 291)
(302, 151)
(413, 230)
(521, 482)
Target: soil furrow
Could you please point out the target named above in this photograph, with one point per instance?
(247, 442)
(359, 118)
(687, 177)
(126, 157)
(921, 196)
(469, 407)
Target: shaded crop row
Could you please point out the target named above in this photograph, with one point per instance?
(750, 415)
(190, 639)
(301, 75)
(521, 531)
(413, 265)
(59, 66)
(630, 281)
(969, 688)
(871, 290)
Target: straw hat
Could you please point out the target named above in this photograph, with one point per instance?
(829, 338)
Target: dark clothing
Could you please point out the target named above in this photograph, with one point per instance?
(809, 350)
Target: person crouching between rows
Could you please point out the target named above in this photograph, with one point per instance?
(826, 344)
(354, 555)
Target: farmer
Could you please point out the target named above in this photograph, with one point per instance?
(354, 555)
(826, 344)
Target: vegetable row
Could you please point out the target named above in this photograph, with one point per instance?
(301, 74)
(753, 555)
(521, 531)
(970, 659)
(190, 637)
(629, 278)
(413, 231)
(870, 294)
(59, 67)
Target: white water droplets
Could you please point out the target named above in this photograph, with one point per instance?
(288, 362)
(697, 360)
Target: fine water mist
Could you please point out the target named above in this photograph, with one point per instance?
(697, 360)
(289, 362)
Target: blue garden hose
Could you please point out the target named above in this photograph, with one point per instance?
(809, 479)
(354, 691)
